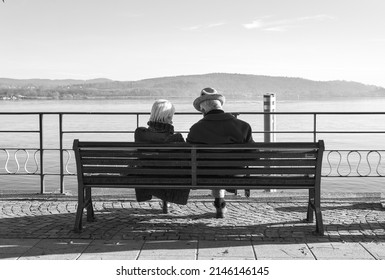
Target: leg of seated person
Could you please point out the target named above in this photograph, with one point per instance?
(219, 202)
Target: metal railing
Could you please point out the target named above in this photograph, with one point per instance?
(364, 166)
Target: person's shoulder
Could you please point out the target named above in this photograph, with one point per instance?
(195, 125)
(242, 121)
(141, 129)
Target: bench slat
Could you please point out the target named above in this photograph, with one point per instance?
(241, 163)
(258, 155)
(253, 182)
(202, 187)
(128, 180)
(258, 182)
(139, 170)
(126, 145)
(134, 154)
(88, 170)
(200, 154)
(251, 171)
(159, 162)
(131, 162)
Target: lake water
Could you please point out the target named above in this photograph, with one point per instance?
(182, 123)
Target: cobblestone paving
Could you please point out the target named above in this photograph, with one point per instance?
(247, 219)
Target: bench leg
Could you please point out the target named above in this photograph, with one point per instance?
(79, 211)
(319, 223)
(90, 207)
(310, 207)
(90, 213)
(79, 218)
(313, 207)
(318, 214)
(310, 213)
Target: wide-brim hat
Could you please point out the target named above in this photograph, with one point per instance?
(208, 94)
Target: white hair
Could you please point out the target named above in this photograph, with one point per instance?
(208, 105)
(162, 111)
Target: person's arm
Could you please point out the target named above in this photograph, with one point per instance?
(175, 138)
(249, 135)
(190, 136)
(139, 133)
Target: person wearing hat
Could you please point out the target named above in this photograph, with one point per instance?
(217, 127)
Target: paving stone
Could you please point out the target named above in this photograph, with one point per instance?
(56, 249)
(376, 249)
(12, 249)
(339, 251)
(280, 251)
(169, 250)
(226, 250)
(112, 250)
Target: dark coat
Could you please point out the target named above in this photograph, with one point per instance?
(160, 133)
(218, 127)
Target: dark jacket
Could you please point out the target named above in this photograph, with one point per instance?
(218, 127)
(160, 133)
(157, 133)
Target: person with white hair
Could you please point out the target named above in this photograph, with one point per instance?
(161, 130)
(217, 127)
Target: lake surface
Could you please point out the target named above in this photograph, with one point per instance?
(126, 124)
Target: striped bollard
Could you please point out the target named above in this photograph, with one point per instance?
(269, 121)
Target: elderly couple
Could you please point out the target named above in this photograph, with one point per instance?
(216, 127)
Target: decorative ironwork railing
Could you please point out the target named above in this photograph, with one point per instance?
(26, 161)
(31, 161)
(341, 163)
(354, 163)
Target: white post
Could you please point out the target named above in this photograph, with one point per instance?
(269, 121)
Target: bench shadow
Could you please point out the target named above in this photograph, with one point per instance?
(138, 225)
(338, 206)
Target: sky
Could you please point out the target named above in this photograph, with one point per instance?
(130, 40)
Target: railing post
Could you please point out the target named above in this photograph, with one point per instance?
(269, 121)
(315, 127)
(42, 187)
(247, 191)
(61, 153)
(137, 120)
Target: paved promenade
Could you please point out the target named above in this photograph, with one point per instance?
(265, 226)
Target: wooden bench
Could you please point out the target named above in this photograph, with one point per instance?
(183, 165)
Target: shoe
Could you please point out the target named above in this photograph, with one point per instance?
(220, 205)
(221, 213)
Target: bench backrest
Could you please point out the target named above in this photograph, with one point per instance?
(253, 165)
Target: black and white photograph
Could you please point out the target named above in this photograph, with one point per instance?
(186, 139)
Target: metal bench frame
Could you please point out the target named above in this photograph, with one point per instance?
(278, 165)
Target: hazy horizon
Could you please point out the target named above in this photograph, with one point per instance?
(181, 75)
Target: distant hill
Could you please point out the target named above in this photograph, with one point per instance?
(233, 86)
(47, 83)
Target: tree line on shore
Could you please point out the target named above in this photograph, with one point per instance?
(233, 86)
